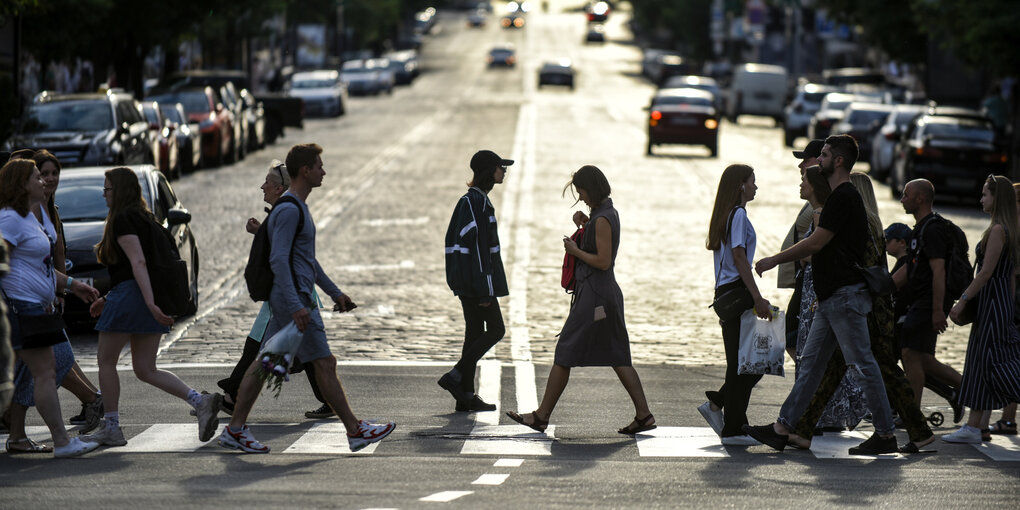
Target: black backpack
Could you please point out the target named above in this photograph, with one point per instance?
(168, 273)
(258, 275)
(959, 272)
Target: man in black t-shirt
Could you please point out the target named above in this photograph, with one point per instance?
(925, 276)
(836, 248)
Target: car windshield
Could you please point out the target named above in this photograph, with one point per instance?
(194, 102)
(693, 101)
(865, 117)
(171, 114)
(814, 97)
(68, 116)
(81, 199)
(837, 105)
(313, 84)
(955, 130)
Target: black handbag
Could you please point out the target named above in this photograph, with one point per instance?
(969, 312)
(731, 304)
(877, 279)
(33, 331)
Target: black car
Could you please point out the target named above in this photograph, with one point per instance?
(502, 56)
(683, 116)
(860, 120)
(83, 212)
(560, 72)
(85, 129)
(954, 150)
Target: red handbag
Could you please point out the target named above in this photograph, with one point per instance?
(569, 261)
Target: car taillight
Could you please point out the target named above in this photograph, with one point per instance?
(994, 157)
(825, 123)
(518, 22)
(929, 152)
(656, 115)
(711, 123)
(890, 136)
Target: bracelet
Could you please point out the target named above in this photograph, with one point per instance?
(67, 285)
(964, 296)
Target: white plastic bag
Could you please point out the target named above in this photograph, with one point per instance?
(277, 356)
(762, 344)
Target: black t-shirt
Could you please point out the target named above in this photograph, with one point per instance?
(901, 298)
(834, 265)
(934, 246)
(126, 223)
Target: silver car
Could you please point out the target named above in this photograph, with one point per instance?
(323, 92)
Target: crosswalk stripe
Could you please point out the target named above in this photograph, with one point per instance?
(508, 440)
(680, 442)
(36, 432)
(491, 479)
(834, 445)
(445, 496)
(999, 451)
(165, 438)
(327, 438)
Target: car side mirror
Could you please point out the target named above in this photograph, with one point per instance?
(178, 217)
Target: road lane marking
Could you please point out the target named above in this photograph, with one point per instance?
(329, 438)
(1009, 452)
(165, 438)
(446, 496)
(509, 440)
(490, 373)
(490, 479)
(508, 463)
(357, 268)
(396, 222)
(680, 442)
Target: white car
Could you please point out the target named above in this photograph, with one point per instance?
(323, 93)
(387, 75)
(360, 78)
(797, 115)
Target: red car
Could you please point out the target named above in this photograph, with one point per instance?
(215, 122)
(164, 141)
(683, 116)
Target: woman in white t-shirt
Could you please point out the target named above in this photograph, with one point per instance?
(732, 240)
(31, 287)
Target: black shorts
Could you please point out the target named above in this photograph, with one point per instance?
(917, 333)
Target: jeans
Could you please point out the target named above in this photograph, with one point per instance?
(841, 320)
(483, 327)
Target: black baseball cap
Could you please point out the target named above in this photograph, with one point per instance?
(897, 231)
(813, 150)
(487, 161)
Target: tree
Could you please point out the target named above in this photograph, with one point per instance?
(892, 27)
(982, 33)
(686, 22)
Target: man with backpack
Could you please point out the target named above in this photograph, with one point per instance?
(295, 271)
(936, 269)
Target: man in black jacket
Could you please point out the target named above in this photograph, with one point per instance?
(474, 272)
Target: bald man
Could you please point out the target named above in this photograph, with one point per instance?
(925, 273)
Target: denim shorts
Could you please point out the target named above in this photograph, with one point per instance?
(125, 312)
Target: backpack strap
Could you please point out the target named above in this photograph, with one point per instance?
(920, 241)
(729, 225)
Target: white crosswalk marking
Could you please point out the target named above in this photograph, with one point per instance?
(833, 445)
(1002, 448)
(680, 442)
(508, 440)
(490, 479)
(445, 496)
(165, 437)
(327, 438)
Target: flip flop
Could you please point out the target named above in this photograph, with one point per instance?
(643, 424)
(33, 447)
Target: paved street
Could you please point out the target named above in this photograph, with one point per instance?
(395, 166)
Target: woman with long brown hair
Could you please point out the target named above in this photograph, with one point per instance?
(129, 314)
(732, 239)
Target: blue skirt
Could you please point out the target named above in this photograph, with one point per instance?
(125, 312)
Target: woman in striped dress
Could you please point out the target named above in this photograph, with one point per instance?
(991, 372)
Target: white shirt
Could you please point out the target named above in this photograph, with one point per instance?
(32, 277)
(741, 234)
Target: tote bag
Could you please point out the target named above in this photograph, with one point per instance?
(762, 344)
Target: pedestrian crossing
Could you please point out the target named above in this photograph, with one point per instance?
(328, 438)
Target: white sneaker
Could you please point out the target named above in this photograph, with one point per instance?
(74, 448)
(242, 440)
(206, 413)
(106, 435)
(369, 433)
(966, 434)
(741, 440)
(714, 418)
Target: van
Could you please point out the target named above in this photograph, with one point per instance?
(757, 89)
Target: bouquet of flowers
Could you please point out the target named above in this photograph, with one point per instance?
(277, 355)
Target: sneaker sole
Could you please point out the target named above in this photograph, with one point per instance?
(241, 448)
(705, 414)
(207, 429)
(369, 441)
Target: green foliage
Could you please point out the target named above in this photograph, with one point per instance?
(890, 26)
(982, 33)
(687, 21)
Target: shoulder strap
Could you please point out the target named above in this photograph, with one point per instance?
(729, 224)
(920, 239)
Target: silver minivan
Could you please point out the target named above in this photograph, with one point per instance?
(757, 89)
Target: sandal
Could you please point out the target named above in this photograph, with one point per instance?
(1006, 428)
(30, 446)
(537, 424)
(643, 424)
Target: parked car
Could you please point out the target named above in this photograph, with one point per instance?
(807, 100)
(405, 65)
(360, 78)
(597, 12)
(255, 119)
(884, 139)
(502, 56)
(757, 89)
(831, 112)
(214, 121)
(596, 34)
(232, 101)
(281, 110)
(650, 63)
(386, 76)
(560, 72)
(83, 212)
(189, 139)
(164, 143)
(860, 120)
(683, 116)
(955, 151)
(85, 129)
(669, 65)
(476, 19)
(696, 82)
(322, 91)
(853, 76)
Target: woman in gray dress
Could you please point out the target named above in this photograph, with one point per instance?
(594, 333)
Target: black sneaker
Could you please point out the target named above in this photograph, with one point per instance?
(475, 404)
(448, 383)
(766, 434)
(78, 419)
(957, 407)
(876, 445)
(322, 412)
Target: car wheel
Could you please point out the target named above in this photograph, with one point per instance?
(789, 138)
(714, 148)
(648, 148)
